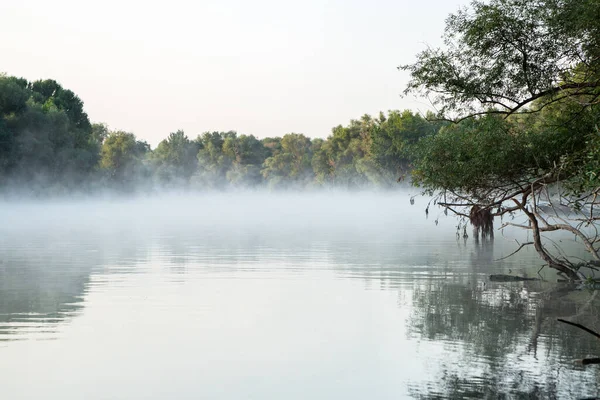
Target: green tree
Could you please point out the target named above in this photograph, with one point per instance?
(394, 138)
(522, 79)
(51, 92)
(45, 137)
(291, 166)
(247, 154)
(13, 102)
(122, 157)
(175, 159)
(99, 132)
(503, 55)
(273, 145)
(322, 163)
(213, 164)
(348, 145)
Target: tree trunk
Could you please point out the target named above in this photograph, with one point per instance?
(569, 272)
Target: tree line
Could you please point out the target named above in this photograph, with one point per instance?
(517, 89)
(48, 144)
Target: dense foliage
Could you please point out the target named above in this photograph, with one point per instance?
(48, 145)
(45, 136)
(521, 81)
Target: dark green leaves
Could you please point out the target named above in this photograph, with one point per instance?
(502, 55)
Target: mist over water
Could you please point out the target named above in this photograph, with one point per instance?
(275, 295)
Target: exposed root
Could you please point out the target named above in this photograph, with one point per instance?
(483, 221)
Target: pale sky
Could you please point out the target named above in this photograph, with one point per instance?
(261, 67)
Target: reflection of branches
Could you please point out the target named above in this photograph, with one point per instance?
(498, 324)
(585, 361)
(536, 329)
(584, 307)
(588, 330)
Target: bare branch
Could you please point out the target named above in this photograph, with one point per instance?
(516, 251)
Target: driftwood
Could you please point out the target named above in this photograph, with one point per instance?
(509, 278)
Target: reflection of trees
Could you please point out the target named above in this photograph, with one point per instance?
(44, 277)
(507, 337)
(483, 253)
(501, 339)
(38, 290)
(504, 335)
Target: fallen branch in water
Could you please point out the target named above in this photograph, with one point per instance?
(588, 361)
(509, 278)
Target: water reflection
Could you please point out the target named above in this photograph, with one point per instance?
(503, 338)
(45, 275)
(39, 288)
(508, 336)
(222, 290)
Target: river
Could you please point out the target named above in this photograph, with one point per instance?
(277, 296)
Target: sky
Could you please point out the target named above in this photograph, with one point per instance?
(261, 67)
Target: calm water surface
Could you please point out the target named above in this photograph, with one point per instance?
(256, 296)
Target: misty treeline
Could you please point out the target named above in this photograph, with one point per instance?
(49, 145)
